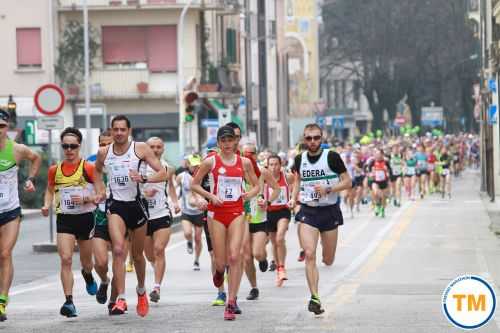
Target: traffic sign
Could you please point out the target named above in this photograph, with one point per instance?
(432, 116)
(49, 99)
(338, 122)
(206, 123)
(50, 123)
(492, 114)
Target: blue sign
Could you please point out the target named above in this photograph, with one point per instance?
(492, 114)
(321, 121)
(338, 122)
(492, 85)
(205, 123)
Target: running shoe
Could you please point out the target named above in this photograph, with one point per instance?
(189, 247)
(90, 283)
(272, 266)
(315, 306)
(237, 309)
(119, 307)
(68, 310)
(253, 295)
(218, 279)
(376, 210)
(154, 296)
(229, 311)
(281, 277)
(220, 300)
(302, 256)
(102, 293)
(263, 265)
(110, 307)
(382, 212)
(130, 267)
(196, 266)
(142, 305)
(3, 312)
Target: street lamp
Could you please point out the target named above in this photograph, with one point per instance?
(11, 107)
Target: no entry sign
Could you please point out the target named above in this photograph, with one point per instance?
(49, 99)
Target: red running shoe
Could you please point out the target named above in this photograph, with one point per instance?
(302, 256)
(218, 279)
(229, 312)
(119, 308)
(142, 305)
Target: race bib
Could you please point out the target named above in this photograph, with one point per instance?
(431, 167)
(229, 188)
(396, 170)
(154, 202)
(68, 206)
(119, 176)
(410, 171)
(282, 198)
(309, 194)
(4, 194)
(380, 175)
(446, 172)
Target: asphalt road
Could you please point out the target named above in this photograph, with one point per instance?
(388, 276)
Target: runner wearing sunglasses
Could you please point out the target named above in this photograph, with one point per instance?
(70, 182)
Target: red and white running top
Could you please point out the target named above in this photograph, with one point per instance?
(226, 182)
(282, 201)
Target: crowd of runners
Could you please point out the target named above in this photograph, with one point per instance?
(237, 198)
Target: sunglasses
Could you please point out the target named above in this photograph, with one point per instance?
(104, 144)
(71, 146)
(3, 125)
(311, 138)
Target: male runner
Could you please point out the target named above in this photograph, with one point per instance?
(321, 176)
(11, 155)
(71, 183)
(125, 164)
(160, 217)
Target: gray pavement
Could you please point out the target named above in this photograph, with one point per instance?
(388, 276)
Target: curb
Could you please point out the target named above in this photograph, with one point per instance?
(493, 211)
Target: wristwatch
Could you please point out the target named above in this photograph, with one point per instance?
(144, 179)
(268, 203)
(328, 190)
(31, 179)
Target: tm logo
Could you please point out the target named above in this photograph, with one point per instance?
(469, 302)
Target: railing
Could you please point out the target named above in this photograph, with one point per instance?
(134, 83)
(108, 4)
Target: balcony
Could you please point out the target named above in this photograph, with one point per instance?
(71, 5)
(132, 83)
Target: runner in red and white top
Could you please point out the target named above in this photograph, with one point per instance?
(278, 214)
(227, 171)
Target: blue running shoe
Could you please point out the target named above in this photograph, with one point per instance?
(220, 300)
(68, 310)
(90, 283)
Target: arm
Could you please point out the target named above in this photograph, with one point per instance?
(49, 193)
(344, 184)
(268, 177)
(171, 189)
(25, 153)
(196, 187)
(251, 178)
(295, 190)
(149, 157)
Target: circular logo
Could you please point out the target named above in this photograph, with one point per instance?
(222, 170)
(469, 302)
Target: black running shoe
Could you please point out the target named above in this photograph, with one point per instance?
(253, 295)
(189, 247)
(102, 293)
(110, 307)
(237, 309)
(315, 307)
(272, 266)
(263, 265)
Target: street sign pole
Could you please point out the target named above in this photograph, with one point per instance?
(51, 212)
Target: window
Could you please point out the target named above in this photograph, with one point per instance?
(29, 48)
(154, 47)
(231, 45)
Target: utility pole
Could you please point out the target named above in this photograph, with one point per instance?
(248, 66)
(263, 103)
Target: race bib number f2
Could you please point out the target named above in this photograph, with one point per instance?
(229, 188)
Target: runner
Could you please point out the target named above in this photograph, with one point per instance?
(225, 211)
(11, 155)
(101, 241)
(396, 163)
(431, 168)
(422, 171)
(410, 178)
(192, 217)
(278, 214)
(359, 177)
(125, 207)
(380, 169)
(160, 217)
(321, 176)
(445, 162)
(71, 183)
(255, 235)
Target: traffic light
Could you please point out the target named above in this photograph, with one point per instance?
(189, 98)
(11, 107)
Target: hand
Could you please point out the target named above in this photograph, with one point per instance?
(78, 200)
(29, 186)
(216, 201)
(98, 198)
(177, 208)
(45, 211)
(245, 196)
(321, 190)
(202, 204)
(150, 192)
(262, 203)
(291, 204)
(135, 176)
